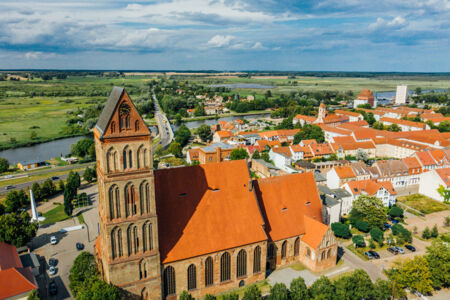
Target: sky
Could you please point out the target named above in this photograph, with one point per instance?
(296, 35)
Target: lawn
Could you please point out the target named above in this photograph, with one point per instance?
(298, 267)
(263, 286)
(54, 215)
(80, 218)
(423, 203)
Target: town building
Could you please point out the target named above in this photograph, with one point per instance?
(206, 228)
(382, 190)
(432, 180)
(401, 95)
(339, 175)
(365, 97)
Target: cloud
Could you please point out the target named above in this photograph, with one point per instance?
(258, 45)
(220, 40)
(38, 55)
(396, 23)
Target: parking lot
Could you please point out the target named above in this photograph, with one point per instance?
(65, 250)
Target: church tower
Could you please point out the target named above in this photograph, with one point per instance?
(321, 114)
(127, 249)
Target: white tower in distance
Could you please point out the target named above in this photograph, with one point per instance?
(401, 96)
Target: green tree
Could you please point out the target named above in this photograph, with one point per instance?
(357, 285)
(298, 289)
(382, 290)
(341, 230)
(362, 155)
(377, 234)
(413, 274)
(15, 200)
(87, 175)
(322, 289)
(438, 257)
(378, 125)
(252, 292)
(33, 295)
(4, 165)
(394, 128)
(185, 296)
(182, 135)
(362, 226)
(16, 228)
(178, 119)
(175, 148)
(81, 148)
(48, 188)
(230, 296)
(83, 269)
(256, 155)
(434, 232)
(358, 240)
(36, 188)
(199, 111)
(159, 150)
(371, 209)
(204, 132)
(426, 234)
(209, 297)
(97, 289)
(70, 191)
(239, 153)
(445, 193)
(265, 156)
(278, 292)
(395, 212)
(61, 185)
(309, 132)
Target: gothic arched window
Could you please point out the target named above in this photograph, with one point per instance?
(169, 281)
(192, 277)
(297, 247)
(257, 260)
(241, 264)
(225, 267)
(283, 249)
(209, 272)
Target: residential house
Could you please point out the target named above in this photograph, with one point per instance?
(329, 198)
(394, 171)
(414, 169)
(404, 124)
(432, 180)
(215, 152)
(382, 190)
(221, 136)
(353, 116)
(337, 176)
(282, 158)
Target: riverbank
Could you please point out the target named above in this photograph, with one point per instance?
(210, 117)
(8, 146)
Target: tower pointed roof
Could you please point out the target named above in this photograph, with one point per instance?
(108, 111)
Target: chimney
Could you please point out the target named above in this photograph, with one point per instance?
(250, 185)
(219, 154)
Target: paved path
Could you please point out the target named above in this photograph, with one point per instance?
(354, 261)
(165, 130)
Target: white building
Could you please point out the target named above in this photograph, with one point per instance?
(282, 158)
(401, 96)
(430, 182)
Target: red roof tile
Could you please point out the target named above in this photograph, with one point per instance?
(445, 175)
(344, 172)
(315, 232)
(16, 281)
(204, 209)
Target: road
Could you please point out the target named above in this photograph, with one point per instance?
(27, 185)
(354, 261)
(165, 130)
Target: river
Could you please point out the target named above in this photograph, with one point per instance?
(195, 124)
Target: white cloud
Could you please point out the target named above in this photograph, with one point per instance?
(258, 45)
(220, 40)
(396, 23)
(38, 55)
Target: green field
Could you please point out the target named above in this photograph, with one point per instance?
(423, 203)
(55, 215)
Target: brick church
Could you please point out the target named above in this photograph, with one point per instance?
(204, 229)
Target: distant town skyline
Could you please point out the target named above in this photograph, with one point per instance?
(345, 35)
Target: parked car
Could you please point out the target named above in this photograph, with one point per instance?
(410, 248)
(52, 270)
(400, 250)
(387, 226)
(52, 288)
(394, 221)
(55, 178)
(392, 250)
(52, 262)
(374, 254)
(53, 240)
(369, 256)
(8, 187)
(80, 246)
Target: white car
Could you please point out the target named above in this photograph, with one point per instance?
(53, 240)
(52, 270)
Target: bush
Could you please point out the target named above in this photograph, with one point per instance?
(4, 165)
(358, 241)
(402, 233)
(185, 296)
(209, 297)
(231, 296)
(252, 292)
(278, 292)
(362, 226)
(341, 230)
(434, 232)
(377, 234)
(426, 234)
(395, 212)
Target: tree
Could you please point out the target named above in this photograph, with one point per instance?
(362, 155)
(256, 155)
(205, 133)
(426, 234)
(199, 111)
(434, 232)
(175, 149)
(447, 221)
(36, 188)
(16, 228)
(395, 212)
(394, 127)
(159, 150)
(48, 189)
(401, 232)
(341, 230)
(413, 274)
(231, 296)
(444, 126)
(309, 132)
(377, 234)
(97, 289)
(61, 185)
(81, 148)
(265, 156)
(83, 269)
(322, 289)
(369, 117)
(87, 175)
(357, 285)
(15, 200)
(278, 292)
(70, 191)
(209, 297)
(362, 226)
(185, 296)
(445, 193)
(358, 240)
(252, 292)
(382, 290)
(418, 90)
(371, 209)
(378, 125)
(298, 289)
(438, 258)
(239, 153)
(178, 119)
(182, 135)
(33, 295)
(4, 165)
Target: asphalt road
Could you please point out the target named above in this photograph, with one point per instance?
(165, 130)
(27, 185)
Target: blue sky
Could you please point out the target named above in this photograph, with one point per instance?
(347, 35)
